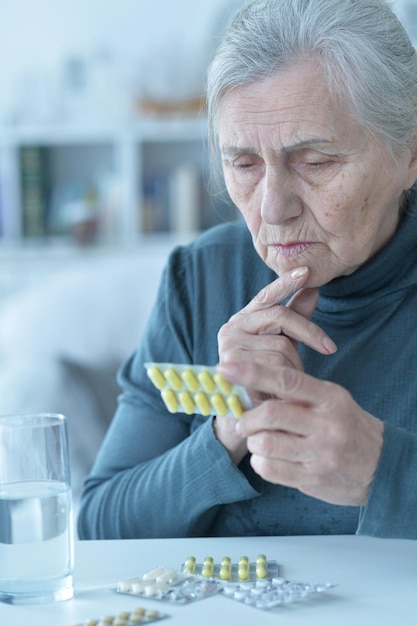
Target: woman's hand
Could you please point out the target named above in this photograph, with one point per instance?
(268, 332)
(315, 438)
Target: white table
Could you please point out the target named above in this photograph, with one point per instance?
(376, 578)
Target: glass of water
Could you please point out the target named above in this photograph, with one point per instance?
(36, 519)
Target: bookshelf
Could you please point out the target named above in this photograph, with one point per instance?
(106, 185)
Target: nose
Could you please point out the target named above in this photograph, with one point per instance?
(280, 200)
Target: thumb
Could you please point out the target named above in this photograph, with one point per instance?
(304, 301)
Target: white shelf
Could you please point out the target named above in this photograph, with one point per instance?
(118, 161)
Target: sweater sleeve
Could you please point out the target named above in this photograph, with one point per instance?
(159, 474)
(176, 494)
(391, 510)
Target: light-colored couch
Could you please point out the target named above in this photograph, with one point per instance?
(63, 338)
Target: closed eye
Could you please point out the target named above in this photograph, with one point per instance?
(247, 161)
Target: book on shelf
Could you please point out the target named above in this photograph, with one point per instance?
(155, 202)
(34, 190)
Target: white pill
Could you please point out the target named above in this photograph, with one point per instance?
(154, 573)
(155, 588)
(168, 576)
(239, 595)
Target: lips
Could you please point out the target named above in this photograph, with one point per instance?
(293, 249)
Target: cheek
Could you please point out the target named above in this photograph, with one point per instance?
(345, 208)
(244, 198)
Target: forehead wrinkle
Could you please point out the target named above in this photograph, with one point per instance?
(231, 150)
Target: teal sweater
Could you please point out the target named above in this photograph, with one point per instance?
(163, 475)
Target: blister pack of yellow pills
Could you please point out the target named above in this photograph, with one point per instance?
(169, 585)
(199, 389)
(228, 571)
(139, 615)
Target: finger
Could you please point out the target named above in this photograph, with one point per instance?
(277, 471)
(273, 350)
(276, 320)
(277, 416)
(280, 320)
(283, 446)
(283, 382)
(280, 289)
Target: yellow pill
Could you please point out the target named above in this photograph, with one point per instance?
(207, 381)
(207, 571)
(190, 560)
(190, 380)
(187, 402)
(225, 572)
(107, 619)
(189, 565)
(226, 560)
(157, 377)
(202, 403)
(222, 383)
(173, 378)
(152, 614)
(219, 404)
(261, 558)
(235, 405)
(170, 400)
(136, 619)
(244, 560)
(243, 572)
(260, 571)
(124, 615)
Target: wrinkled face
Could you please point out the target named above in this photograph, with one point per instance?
(312, 186)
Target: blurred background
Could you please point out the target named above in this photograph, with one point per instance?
(101, 120)
(103, 169)
(101, 124)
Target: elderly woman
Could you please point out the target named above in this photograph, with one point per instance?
(310, 302)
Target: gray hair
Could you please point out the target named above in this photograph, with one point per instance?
(362, 48)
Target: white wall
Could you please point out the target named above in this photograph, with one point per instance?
(122, 46)
(157, 45)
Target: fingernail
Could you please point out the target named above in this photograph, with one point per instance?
(299, 272)
(329, 345)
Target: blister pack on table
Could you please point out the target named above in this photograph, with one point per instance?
(256, 583)
(267, 594)
(229, 571)
(139, 615)
(200, 389)
(169, 585)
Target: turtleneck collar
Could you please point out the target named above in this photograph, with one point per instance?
(392, 268)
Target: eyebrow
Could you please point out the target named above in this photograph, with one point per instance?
(235, 150)
(316, 141)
